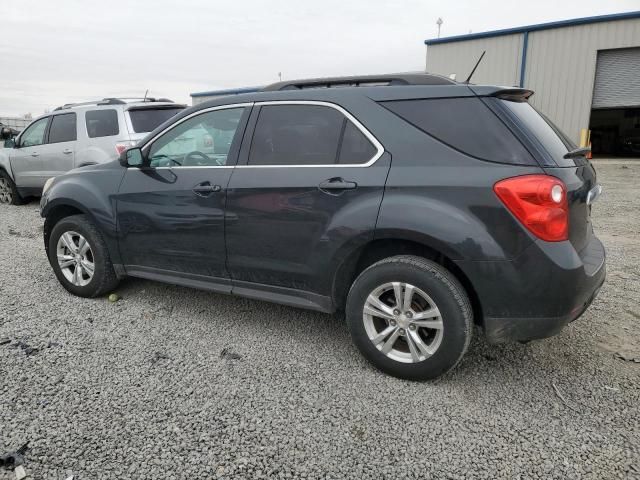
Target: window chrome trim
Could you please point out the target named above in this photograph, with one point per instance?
(379, 148)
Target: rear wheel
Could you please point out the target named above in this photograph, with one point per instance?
(8, 191)
(79, 257)
(409, 317)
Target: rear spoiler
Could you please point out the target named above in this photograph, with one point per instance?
(513, 94)
(155, 106)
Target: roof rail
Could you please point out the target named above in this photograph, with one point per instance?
(388, 79)
(112, 101)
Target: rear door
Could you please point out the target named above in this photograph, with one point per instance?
(26, 163)
(171, 211)
(310, 182)
(58, 153)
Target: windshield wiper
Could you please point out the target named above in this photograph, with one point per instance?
(577, 152)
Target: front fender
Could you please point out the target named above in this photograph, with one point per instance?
(89, 192)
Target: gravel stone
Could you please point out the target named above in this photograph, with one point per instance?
(170, 382)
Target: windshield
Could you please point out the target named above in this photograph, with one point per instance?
(146, 120)
(550, 136)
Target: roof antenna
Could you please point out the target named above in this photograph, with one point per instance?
(147, 92)
(474, 68)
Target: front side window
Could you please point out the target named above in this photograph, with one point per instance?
(102, 123)
(204, 140)
(307, 135)
(34, 135)
(63, 128)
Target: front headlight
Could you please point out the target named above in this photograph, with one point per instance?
(47, 184)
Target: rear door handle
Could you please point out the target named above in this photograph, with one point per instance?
(336, 185)
(205, 189)
(35, 154)
(67, 151)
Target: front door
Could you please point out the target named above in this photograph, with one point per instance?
(311, 188)
(26, 163)
(171, 210)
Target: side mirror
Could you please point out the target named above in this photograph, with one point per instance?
(131, 158)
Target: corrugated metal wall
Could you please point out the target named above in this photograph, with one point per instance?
(500, 65)
(561, 65)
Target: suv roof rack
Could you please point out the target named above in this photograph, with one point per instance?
(112, 101)
(387, 79)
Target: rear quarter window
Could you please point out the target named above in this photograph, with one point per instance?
(102, 123)
(147, 119)
(465, 124)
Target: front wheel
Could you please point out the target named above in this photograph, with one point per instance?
(79, 257)
(409, 317)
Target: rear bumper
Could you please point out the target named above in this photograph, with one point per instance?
(536, 295)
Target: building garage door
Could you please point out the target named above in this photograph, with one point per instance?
(615, 114)
(617, 79)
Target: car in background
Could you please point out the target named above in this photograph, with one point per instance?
(75, 135)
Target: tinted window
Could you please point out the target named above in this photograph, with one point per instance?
(63, 128)
(146, 120)
(34, 134)
(465, 124)
(296, 135)
(554, 141)
(102, 123)
(204, 140)
(356, 148)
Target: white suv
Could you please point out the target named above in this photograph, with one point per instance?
(76, 135)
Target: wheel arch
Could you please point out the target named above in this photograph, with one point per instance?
(57, 212)
(380, 248)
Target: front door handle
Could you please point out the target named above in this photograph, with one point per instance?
(67, 151)
(337, 185)
(205, 189)
(35, 154)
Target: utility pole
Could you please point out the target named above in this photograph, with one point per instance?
(439, 22)
(279, 76)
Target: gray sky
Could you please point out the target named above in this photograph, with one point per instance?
(58, 51)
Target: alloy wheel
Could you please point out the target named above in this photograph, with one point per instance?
(6, 194)
(75, 258)
(403, 322)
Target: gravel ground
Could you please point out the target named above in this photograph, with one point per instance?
(176, 383)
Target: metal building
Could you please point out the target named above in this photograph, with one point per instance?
(585, 73)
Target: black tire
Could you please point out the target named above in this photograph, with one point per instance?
(442, 287)
(15, 199)
(104, 277)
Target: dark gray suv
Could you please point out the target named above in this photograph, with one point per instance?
(417, 205)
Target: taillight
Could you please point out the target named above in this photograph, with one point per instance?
(539, 202)
(122, 146)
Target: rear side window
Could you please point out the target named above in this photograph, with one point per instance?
(63, 128)
(307, 135)
(147, 119)
(102, 123)
(465, 124)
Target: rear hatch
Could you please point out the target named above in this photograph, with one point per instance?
(142, 119)
(560, 159)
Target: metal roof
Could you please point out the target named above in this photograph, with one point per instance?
(539, 26)
(230, 91)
